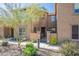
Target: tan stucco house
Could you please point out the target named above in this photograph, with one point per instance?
(67, 21)
(35, 29)
(66, 25)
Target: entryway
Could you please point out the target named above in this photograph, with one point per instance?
(8, 32)
(43, 35)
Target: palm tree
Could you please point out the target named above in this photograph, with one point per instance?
(13, 21)
(1, 22)
(22, 17)
(35, 12)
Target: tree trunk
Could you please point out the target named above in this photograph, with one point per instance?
(17, 38)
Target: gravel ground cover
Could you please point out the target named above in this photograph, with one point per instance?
(10, 50)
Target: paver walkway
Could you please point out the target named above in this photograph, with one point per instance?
(44, 50)
(42, 45)
(48, 52)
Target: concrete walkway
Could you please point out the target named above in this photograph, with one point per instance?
(42, 45)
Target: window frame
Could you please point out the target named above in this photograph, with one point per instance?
(35, 30)
(22, 31)
(74, 9)
(77, 32)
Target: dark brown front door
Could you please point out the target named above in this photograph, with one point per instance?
(43, 34)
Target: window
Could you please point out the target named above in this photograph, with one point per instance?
(76, 8)
(75, 32)
(22, 32)
(53, 20)
(34, 30)
(53, 27)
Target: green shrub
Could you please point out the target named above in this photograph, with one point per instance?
(34, 40)
(29, 50)
(66, 41)
(29, 45)
(5, 43)
(69, 49)
(53, 40)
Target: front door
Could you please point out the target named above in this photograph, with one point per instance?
(43, 35)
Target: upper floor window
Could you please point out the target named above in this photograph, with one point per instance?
(76, 8)
(52, 29)
(53, 20)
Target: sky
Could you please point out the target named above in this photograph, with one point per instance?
(50, 7)
(76, 5)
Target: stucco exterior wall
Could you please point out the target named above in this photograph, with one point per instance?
(44, 21)
(35, 36)
(65, 19)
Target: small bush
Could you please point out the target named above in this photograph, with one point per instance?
(69, 49)
(66, 41)
(4, 43)
(62, 41)
(29, 45)
(52, 40)
(29, 50)
(34, 40)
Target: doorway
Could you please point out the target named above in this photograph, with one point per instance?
(8, 32)
(12, 32)
(43, 35)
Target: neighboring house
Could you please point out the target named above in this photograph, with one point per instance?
(66, 25)
(67, 21)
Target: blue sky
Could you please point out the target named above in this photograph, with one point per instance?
(48, 6)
